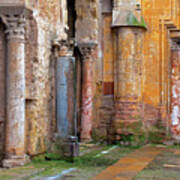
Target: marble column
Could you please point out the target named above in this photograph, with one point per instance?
(175, 89)
(65, 90)
(15, 85)
(87, 50)
(65, 71)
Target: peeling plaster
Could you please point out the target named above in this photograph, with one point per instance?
(175, 115)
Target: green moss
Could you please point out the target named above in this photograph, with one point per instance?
(133, 21)
(39, 158)
(136, 134)
(98, 137)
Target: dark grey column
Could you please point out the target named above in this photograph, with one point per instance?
(65, 94)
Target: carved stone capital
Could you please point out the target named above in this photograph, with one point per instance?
(15, 25)
(63, 48)
(14, 20)
(87, 49)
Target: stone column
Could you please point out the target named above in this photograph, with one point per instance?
(129, 28)
(66, 135)
(15, 85)
(128, 78)
(65, 90)
(87, 50)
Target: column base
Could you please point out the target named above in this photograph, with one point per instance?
(15, 161)
(86, 140)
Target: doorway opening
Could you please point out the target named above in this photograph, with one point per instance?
(71, 5)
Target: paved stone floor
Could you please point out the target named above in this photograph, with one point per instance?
(147, 163)
(128, 167)
(165, 166)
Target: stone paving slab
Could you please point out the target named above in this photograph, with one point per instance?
(177, 152)
(128, 167)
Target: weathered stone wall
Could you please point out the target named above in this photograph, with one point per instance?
(105, 115)
(43, 28)
(160, 16)
(155, 97)
(12, 2)
(87, 20)
(104, 129)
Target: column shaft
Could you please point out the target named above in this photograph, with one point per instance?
(65, 93)
(128, 75)
(15, 125)
(87, 100)
(87, 50)
(175, 99)
(15, 85)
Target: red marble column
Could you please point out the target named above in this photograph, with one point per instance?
(15, 85)
(87, 91)
(175, 99)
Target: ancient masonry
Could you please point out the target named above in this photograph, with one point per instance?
(75, 70)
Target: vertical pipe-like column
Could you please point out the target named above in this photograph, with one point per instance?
(87, 91)
(15, 121)
(66, 99)
(65, 93)
(65, 89)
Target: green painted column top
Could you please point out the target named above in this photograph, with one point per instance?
(133, 21)
(127, 13)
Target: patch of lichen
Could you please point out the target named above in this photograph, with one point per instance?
(132, 134)
(98, 136)
(156, 133)
(133, 21)
(136, 134)
(57, 150)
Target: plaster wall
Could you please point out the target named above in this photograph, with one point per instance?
(48, 23)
